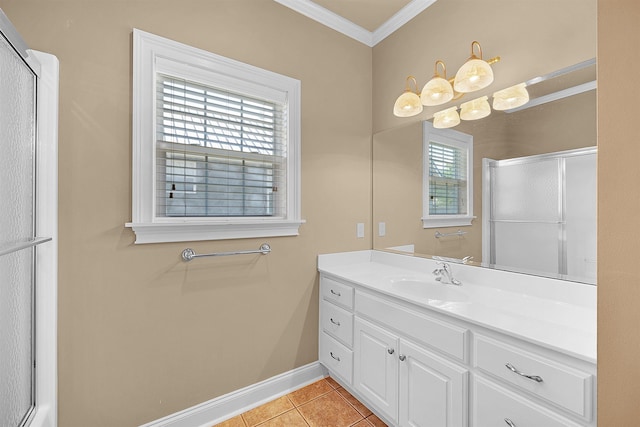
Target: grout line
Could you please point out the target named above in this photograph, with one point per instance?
(302, 416)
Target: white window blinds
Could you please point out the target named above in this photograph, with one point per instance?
(447, 180)
(218, 153)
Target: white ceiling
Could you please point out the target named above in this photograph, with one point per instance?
(368, 21)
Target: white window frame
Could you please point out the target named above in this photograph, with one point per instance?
(455, 139)
(153, 54)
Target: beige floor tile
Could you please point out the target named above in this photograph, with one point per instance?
(375, 421)
(267, 411)
(232, 422)
(329, 410)
(309, 392)
(362, 423)
(288, 419)
(363, 410)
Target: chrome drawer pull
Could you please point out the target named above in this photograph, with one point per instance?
(531, 377)
(509, 422)
(402, 357)
(390, 351)
(335, 357)
(335, 293)
(334, 322)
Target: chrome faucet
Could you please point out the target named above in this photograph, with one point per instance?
(443, 274)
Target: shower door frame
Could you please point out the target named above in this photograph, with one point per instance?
(46, 69)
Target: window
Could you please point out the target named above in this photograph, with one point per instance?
(216, 146)
(447, 177)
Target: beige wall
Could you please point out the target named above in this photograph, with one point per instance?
(618, 207)
(141, 334)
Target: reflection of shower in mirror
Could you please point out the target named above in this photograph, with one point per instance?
(539, 214)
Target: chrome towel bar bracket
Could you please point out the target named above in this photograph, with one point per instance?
(189, 254)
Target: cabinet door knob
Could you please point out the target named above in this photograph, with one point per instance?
(402, 357)
(334, 322)
(390, 351)
(509, 422)
(335, 293)
(522, 374)
(335, 357)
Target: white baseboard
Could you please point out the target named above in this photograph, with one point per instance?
(224, 407)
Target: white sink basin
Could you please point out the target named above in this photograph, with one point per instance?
(429, 289)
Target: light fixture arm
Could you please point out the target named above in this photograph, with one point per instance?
(415, 85)
(476, 43)
(444, 69)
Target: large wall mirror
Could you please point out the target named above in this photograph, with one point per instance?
(533, 182)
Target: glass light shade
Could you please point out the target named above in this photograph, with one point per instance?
(475, 109)
(437, 91)
(511, 97)
(408, 104)
(474, 75)
(446, 118)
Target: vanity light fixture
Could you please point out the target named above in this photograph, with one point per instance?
(446, 118)
(475, 74)
(511, 97)
(408, 104)
(438, 90)
(475, 109)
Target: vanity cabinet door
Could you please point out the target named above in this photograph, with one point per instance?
(433, 391)
(376, 367)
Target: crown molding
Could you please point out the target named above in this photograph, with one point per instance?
(336, 22)
(403, 16)
(332, 20)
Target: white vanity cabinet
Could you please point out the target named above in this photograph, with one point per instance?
(336, 328)
(408, 384)
(415, 366)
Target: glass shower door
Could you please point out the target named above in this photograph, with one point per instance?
(17, 237)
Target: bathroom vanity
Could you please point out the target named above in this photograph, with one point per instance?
(501, 349)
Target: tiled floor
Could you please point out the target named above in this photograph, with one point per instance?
(321, 404)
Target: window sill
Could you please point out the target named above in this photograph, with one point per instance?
(195, 231)
(457, 221)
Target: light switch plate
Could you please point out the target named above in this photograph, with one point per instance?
(360, 230)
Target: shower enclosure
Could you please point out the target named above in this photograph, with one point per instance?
(28, 218)
(539, 214)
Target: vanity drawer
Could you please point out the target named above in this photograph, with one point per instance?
(337, 322)
(563, 385)
(496, 406)
(337, 358)
(442, 336)
(336, 292)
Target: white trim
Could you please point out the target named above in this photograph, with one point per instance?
(403, 16)
(332, 20)
(336, 22)
(154, 53)
(224, 407)
(187, 232)
(456, 139)
(46, 412)
(447, 222)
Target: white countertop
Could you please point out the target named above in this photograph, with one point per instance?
(555, 314)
